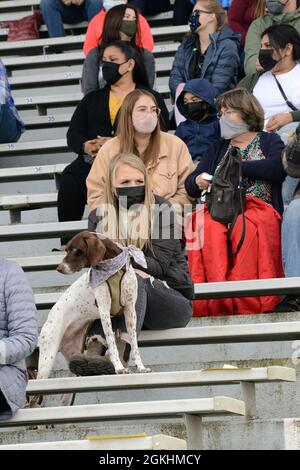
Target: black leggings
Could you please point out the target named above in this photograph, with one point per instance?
(4, 406)
(72, 193)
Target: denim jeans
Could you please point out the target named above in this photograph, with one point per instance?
(291, 239)
(55, 13)
(9, 126)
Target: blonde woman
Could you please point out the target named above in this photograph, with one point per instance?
(210, 50)
(165, 156)
(131, 214)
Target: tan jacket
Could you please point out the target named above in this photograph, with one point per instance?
(167, 177)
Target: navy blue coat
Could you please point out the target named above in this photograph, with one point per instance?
(270, 169)
(221, 63)
(198, 135)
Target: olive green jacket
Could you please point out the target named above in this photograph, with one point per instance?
(257, 27)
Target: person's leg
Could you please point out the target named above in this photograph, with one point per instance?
(92, 8)
(182, 11)
(72, 193)
(288, 189)
(291, 253)
(166, 308)
(291, 239)
(9, 128)
(52, 15)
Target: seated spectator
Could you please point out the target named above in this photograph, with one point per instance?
(291, 226)
(210, 51)
(197, 104)
(150, 7)
(182, 11)
(164, 287)
(144, 38)
(166, 157)
(241, 126)
(241, 14)
(278, 56)
(279, 12)
(18, 336)
(57, 12)
(121, 22)
(93, 123)
(11, 126)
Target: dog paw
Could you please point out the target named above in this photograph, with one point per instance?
(143, 370)
(123, 371)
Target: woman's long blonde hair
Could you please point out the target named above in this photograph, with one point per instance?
(126, 131)
(138, 228)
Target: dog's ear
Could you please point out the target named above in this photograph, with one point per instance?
(95, 249)
(112, 249)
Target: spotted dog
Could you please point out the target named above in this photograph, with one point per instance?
(89, 298)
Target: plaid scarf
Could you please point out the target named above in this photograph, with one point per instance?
(5, 95)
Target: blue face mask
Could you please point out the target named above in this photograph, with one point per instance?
(194, 22)
(108, 4)
(274, 7)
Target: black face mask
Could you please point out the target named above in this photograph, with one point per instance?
(266, 60)
(196, 111)
(110, 72)
(130, 195)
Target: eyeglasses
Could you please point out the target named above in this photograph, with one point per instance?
(202, 11)
(143, 110)
(228, 112)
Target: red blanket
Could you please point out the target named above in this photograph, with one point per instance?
(258, 258)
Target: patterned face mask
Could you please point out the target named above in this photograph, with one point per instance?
(194, 22)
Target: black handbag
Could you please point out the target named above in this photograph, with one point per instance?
(227, 198)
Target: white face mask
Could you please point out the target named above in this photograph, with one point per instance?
(230, 129)
(108, 4)
(145, 124)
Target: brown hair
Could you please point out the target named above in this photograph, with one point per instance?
(259, 8)
(213, 6)
(112, 25)
(247, 106)
(126, 131)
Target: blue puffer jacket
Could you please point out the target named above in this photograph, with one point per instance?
(18, 333)
(221, 63)
(198, 135)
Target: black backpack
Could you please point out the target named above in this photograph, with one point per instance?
(227, 198)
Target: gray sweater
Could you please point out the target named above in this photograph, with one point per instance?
(91, 73)
(18, 333)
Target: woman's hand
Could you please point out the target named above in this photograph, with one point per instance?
(91, 147)
(278, 120)
(202, 183)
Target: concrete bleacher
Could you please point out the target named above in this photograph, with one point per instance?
(188, 363)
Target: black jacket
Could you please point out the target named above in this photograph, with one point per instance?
(165, 258)
(91, 118)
